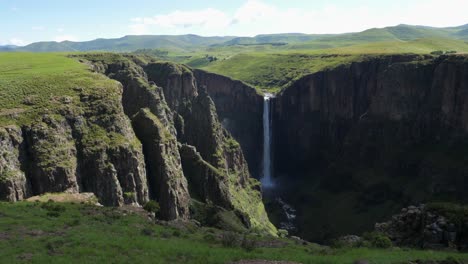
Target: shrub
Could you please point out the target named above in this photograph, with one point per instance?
(229, 239)
(53, 209)
(176, 233)
(337, 243)
(152, 207)
(111, 216)
(53, 214)
(166, 234)
(437, 52)
(147, 232)
(74, 222)
(129, 195)
(452, 260)
(455, 213)
(247, 243)
(283, 233)
(209, 238)
(378, 240)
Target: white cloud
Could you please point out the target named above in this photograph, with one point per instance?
(65, 37)
(60, 29)
(16, 41)
(208, 19)
(13, 41)
(257, 17)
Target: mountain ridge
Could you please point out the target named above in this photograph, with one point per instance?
(188, 42)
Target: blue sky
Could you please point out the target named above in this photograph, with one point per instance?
(26, 21)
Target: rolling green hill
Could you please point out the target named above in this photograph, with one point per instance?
(191, 43)
(128, 43)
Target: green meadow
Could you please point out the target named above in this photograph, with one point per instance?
(33, 83)
(52, 232)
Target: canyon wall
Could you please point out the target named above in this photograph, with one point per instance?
(240, 110)
(379, 134)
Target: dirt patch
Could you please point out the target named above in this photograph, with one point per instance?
(11, 112)
(4, 236)
(35, 233)
(25, 256)
(65, 198)
(271, 243)
(131, 209)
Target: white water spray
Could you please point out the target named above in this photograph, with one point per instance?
(267, 181)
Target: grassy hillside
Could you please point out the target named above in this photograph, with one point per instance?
(418, 46)
(274, 71)
(80, 233)
(269, 70)
(31, 84)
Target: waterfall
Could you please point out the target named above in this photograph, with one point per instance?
(266, 179)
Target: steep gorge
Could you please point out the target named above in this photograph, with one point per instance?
(358, 142)
(351, 145)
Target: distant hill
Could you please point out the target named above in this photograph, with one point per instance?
(397, 33)
(190, 42)
(8, 47)
(128, 43)
(274, 38)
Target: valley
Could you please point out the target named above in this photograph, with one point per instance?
(224, 149)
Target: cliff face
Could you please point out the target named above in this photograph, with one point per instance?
(86, 146)
(386, 131)
(124, 143)
(14, 184)
(152, 121)
(240, 110)
(212, 160)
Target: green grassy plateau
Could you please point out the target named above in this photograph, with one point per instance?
(35, 83)
(52, 232)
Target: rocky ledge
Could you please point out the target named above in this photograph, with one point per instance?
(432, 226)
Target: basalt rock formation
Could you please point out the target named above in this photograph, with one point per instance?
(432, 226)
(154, 135)
(356, 143)
(88, 146)
(240, 110)
(373, 136)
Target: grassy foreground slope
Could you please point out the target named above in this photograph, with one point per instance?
(34, 232)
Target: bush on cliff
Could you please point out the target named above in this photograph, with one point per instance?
(152, 207)
(376, 240)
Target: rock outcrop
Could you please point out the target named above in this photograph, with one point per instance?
(427, 227)
(206, 183)
(240, 110)
(164, 168)
(14, 185)
(85, 146)
(51, 152)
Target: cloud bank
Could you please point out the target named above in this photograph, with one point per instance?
(257, 16)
